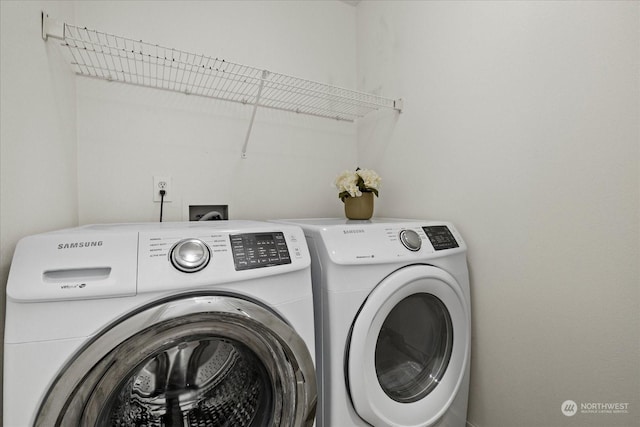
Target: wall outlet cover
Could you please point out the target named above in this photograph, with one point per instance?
(162, 183)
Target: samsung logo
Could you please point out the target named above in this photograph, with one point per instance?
(353, 231)
(74, 245)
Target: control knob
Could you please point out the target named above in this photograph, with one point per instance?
(411, 240)
(190, 255)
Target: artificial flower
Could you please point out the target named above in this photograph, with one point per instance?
(354, 183)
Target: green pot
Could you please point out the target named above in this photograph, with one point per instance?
(359, 207)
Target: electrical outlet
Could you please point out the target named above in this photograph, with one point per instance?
(162, 183)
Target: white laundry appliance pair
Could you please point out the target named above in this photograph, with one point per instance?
(172, 324)
(392, 322)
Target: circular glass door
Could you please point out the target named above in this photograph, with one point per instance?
(408, 348)
(414, 347)
(195, 361)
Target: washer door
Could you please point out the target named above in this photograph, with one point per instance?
(409, 348)
(195, 361)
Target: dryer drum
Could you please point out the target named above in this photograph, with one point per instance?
(198, 361)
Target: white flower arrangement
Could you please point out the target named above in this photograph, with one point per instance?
(354, 183)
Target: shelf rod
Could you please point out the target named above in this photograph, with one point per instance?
(265, 73)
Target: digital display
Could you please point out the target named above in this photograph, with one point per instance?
(256, 250)
(440, 237)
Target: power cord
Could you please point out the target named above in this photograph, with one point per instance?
(162, 193)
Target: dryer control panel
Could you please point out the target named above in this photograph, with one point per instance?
(384, 240)
(440, 237)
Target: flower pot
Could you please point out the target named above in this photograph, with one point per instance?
(359, 207)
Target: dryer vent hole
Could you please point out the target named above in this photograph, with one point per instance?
(208, 212)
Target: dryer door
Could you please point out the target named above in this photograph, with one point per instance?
(409, 348)
(196, 361)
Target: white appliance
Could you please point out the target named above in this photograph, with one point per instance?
(392, 322)
(180, 324)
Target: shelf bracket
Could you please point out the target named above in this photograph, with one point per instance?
(51, 28)
(265, 73)
(398, 105)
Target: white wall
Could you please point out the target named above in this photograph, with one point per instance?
(38, 177)
(126, 134)
(59, 169)
(521, 127)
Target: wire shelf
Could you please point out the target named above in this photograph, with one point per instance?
(115, 58)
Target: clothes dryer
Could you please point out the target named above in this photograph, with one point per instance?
(180, 324)
(392, 322)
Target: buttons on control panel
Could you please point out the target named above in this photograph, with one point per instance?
(255, 250)
(190, 255)
(411, 240)
(440, 237)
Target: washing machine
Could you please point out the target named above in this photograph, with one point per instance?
(392, 322)
(165, 324)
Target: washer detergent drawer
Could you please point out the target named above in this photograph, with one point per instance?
(55, 266)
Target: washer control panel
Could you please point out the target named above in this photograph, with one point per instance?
(255, 250)
(207, 253)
